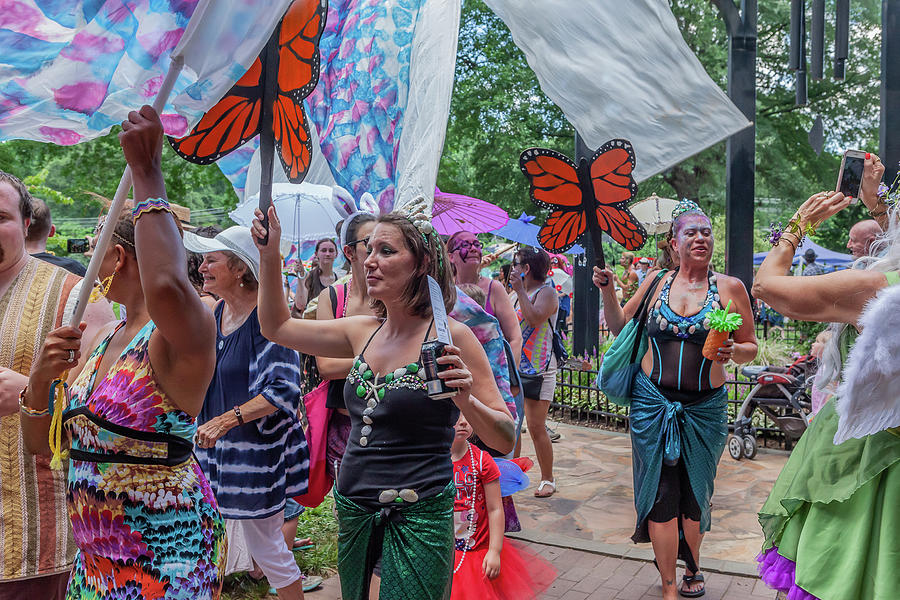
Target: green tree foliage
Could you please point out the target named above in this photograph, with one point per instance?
(498, 110)
(65, 177)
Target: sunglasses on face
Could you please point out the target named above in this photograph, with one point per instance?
(466, 245)
(353, 243)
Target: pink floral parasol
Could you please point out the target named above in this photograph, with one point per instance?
(455, 212)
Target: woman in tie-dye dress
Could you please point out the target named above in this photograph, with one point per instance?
(143, 517)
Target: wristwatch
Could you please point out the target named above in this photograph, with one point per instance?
(237, 413)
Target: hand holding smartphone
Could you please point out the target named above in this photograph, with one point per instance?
(850, 175)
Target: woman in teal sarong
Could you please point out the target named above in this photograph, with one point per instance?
(395, 491)
(831, 521)
(678, 418)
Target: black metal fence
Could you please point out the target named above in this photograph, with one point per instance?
(578, 399)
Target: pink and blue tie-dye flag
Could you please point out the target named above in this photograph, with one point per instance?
(69, 70)
(359, 102)
(382, 101)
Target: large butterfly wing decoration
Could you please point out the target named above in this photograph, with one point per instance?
(613, 186)
(231, 123)
(298, 73)
(235, 119)
(554, 186)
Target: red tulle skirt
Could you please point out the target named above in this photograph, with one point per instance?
(523, 574)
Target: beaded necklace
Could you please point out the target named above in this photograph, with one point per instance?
(470, 529)
(681, 326)
(367, 387)
(347, 297)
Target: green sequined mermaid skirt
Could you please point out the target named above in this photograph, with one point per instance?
(416, 554)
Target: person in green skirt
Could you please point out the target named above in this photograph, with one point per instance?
(831, 521)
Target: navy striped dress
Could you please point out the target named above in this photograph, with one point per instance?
(255, 466)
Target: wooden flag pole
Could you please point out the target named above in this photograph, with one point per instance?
(119, 199)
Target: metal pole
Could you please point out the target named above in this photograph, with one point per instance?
(797, 17)
(801, 97)
(586, 309)
(890, 88)
(740, 184)
(817, 40)
(841, 37)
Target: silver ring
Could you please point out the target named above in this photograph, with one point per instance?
(71, 358)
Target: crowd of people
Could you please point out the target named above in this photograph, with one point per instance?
(151, 451)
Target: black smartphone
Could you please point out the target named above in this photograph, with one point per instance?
(77, 245)
(850, 176)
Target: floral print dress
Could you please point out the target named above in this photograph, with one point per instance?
(143, 517)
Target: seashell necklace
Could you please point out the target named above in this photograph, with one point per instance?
(368, 388)
(685, 327)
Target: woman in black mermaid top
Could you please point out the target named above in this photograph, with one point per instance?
(678, 420)
(394, 493)
(676, 341)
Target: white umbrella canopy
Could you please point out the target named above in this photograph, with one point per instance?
(306, 211)
(562, 281)
(654, 213)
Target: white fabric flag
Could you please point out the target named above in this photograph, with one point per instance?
(622, 70)
(220, 43)
(431, 74)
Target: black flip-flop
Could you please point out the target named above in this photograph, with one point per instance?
(690, 579)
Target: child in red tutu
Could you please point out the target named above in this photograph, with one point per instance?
(487, 566)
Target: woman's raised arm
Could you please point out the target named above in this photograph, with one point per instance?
(317, 338)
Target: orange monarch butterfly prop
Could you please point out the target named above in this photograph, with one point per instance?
(589, 198)
(267, 101)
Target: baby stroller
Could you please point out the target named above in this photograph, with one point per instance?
(781, 393)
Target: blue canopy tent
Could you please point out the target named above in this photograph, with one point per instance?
(523, 231)
(824, 256)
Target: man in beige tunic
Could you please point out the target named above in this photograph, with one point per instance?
(36, 546)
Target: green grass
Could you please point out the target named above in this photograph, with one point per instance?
(317, 524)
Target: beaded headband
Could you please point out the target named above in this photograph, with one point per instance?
(418, 211)
(686, 206)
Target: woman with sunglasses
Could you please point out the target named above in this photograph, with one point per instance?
(465, 256)
(344, 299)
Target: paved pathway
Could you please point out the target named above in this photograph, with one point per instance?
(585, 528)
(588, 576)
(593, 508)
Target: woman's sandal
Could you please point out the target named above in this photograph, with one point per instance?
(551, 484)
(690, 580)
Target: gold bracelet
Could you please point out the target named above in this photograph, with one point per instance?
(875, 215)
(791, 244)
(30, 412)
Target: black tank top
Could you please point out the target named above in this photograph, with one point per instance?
(676, 343)
(399, 439)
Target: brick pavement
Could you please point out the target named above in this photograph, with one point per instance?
(584, 529)
(593, 508)
(589, 576)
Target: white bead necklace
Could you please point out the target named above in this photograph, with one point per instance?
(470, 529)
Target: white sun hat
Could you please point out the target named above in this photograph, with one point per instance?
(235, 239)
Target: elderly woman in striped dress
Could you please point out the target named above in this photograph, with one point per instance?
(249, 442)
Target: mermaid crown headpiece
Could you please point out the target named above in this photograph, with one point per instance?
(684, 206)
(418, 210)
